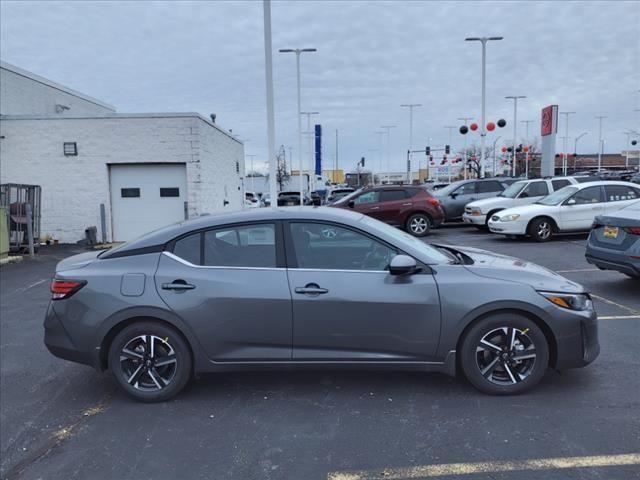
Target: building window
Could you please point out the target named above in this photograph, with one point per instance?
(169, 192)
(130, 192)
(70, 149)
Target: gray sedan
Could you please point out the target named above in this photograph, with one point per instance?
(455, 196)
(312, 287)
(614, 241)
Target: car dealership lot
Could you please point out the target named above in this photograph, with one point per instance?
(61, 420)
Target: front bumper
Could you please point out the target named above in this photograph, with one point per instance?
(479, 220)
(508, 228)
(608, 259)
(576, 335)
(59, 343)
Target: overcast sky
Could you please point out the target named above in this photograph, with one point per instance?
(208, 57)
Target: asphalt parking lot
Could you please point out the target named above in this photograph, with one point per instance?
(65, 421)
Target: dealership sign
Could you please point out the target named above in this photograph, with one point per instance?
(548, 130)
(549, 120)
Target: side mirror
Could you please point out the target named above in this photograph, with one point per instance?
(453, 195)
(402, 265)
(571, 201)
(351, 203)
(524, 195)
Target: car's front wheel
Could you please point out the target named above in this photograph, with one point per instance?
(504, 354)
(541, 229)
(419, 224)
(150, 361)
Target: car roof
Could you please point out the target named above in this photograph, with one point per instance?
(168, 233)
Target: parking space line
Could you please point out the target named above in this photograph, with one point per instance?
(578, 271)
(618, 317)
(430, 471)
(611, 302)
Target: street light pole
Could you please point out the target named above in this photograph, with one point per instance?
(298, 51)
(251, 157)
(380, 134)
(388, 128)
(411, 106)
(271, 124)
(566, 141)
(484, 41)
(465, 120)
(310, 147)
(600, 145)
(526, 154)
(515, 129)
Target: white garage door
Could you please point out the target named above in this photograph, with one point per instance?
(146, 197)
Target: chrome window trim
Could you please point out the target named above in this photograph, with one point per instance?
(218, 267)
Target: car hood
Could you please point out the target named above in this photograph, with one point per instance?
(77, 261)
(527, 211)
(492, 265)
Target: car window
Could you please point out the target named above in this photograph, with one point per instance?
(558, 184)
(513, 190)
(392, 195)
(588, 195)
(466, 189)
(330, 247)
(619, 193)
(367, 197)
(243, 246)
(491, 186)
(535, 189)
(586, 179)
(188, 248)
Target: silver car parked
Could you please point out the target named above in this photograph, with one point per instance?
(312, 287)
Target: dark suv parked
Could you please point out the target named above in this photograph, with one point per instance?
(410, 207)
(455, 196)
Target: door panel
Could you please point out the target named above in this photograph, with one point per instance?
(237, 314)
(364, 316)
(579, 215)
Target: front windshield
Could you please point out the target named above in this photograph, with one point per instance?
(348, 197)
(557, 197)
(443, 192)
(513, 190)
(435, 255)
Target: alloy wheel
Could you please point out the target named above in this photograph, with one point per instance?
(148, 363)
(544, 230)
(418, 225)
(506, 356)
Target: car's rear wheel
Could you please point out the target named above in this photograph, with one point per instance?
(504, 354)
(419, 224)
(150, 361)
(541, 229)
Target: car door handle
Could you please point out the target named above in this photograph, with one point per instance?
(312, 289)
(179, 285)
(374, 208)
(407, 204)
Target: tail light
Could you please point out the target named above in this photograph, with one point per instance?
(434, 201)
(61, 289)
(633, 230)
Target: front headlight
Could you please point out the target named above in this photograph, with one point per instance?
(510, 218)
(474, 211)
(571, 301)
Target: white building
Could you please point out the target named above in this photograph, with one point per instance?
(148, 170)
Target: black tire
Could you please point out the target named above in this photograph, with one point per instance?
(541, 229)
(139, 364)
(518, 375)
(419, 225)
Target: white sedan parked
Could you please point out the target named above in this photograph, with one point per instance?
(570, 209)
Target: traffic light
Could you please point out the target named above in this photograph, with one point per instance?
(447, 149)
(362, 161)
(428, 150)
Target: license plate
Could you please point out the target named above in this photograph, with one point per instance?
(611, 232)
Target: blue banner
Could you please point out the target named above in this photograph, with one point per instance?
(318, 149)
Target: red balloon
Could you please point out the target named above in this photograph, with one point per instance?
(473, 158)
(504, 149)
(491, 126)
(526, 149)
(473, 126)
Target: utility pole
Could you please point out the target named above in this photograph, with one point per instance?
(411, 106)
(251, 157)
(600, 144)
(565, 144)
(388, 128)
(451, 128)
(335, 166)
(483, 133)
(465, 120)
(526, 154)
(380, 134)
(515, 129)
(310, 135)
